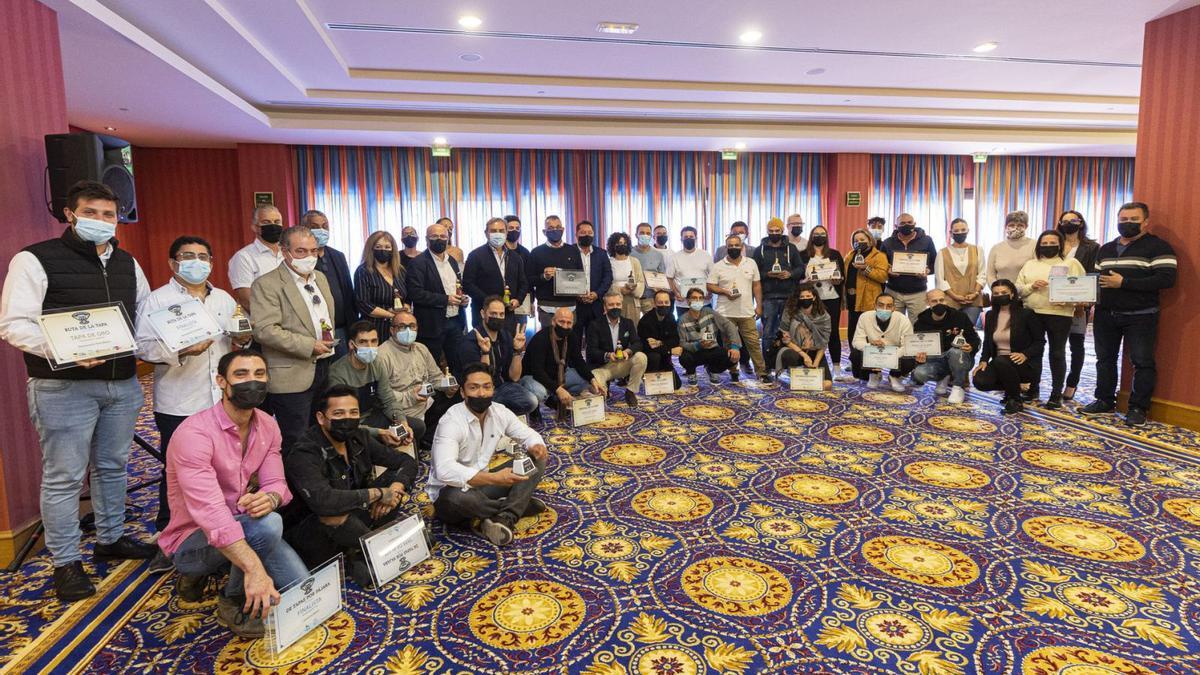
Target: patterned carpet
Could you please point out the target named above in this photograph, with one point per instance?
(743, 529)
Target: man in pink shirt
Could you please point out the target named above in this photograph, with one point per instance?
(224, 484)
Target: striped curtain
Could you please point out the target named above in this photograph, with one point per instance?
(762, 185)
(661, 188)
(928, 187)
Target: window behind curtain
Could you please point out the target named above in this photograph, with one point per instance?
(661, 188)
(928, 187)
(762, 185)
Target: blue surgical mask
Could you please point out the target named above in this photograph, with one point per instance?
(366, 354)
(696, 305)
(497, 239)
(406, 337)
(322, 237)
(644, 239)
(883, 314)
(95, 231)
(194, 271)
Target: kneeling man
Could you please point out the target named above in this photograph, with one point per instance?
(460, 484)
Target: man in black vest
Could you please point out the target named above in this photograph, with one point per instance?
(86, 412)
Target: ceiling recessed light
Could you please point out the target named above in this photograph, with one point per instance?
(110, 128)
(750, 36)
(440, 140)
(985, 47)
(815, 71)
(739, 145)
(469, 21)
(472, 58)
(617, 27)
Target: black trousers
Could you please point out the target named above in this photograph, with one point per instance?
(907, 364)
(852, 323)
(294, 412)
(437, 409)
(791, 359)
(317, 542)
(659, 361)
(447, 343)
(458, 507)
(715, 360)
(1078, 355)
(834, 348)
(1054, 330)
(1003, 375)
(167, 424)
(1140, 332)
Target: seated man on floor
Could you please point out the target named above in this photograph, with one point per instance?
(960, 343)
(702, 332)
(495, 347)
(660, 335)
(884, 327)
(614, 349)
(555, 361)
(460, 485)
(332, 469)
(224, 483)
(358, 369)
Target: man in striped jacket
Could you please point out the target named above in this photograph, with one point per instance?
(1133, 268)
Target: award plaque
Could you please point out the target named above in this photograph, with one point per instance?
(1081, 289)
(570, 282)
(806, 379)
(89, 332)
(587, 410)
(184, 324)
(881, 358)
(392, 549)
(304, 605)
(928, 343)
(657, 281)
(904, 262)
(658, 383)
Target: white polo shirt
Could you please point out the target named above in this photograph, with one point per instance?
(251, 262)
(729, 276)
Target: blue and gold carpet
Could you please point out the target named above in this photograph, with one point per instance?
(743, 530)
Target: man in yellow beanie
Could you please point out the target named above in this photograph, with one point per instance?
(780, 268)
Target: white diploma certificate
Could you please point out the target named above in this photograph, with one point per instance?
(825, 271)
(904, 262)
(570, 282)
(685, 284)
(305, 605)
(184, 324)
(1074, 289)
(657, 281)
(882, 358)
(391, 550)
(805, 379)
(92, 332)
(587, 410)
(928, 343)
(658, 383)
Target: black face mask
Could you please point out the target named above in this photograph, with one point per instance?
(621, 249)
(1129, 230)
(383, 256)
(907, 229)
(660, 312)
(862, 247)
(438, 245)
(689, 244)
(343, 428)
(806, 302)
(478, 404)
(553, 236)
(1048, 251)
(774, 238)
(734, 253)
(409, 242)
(561, 332)
(613, 314)
(959, 237)
(513, 236)
(1069, 228)
(1001, 300)
(270, 233)
(797, 231)
(819, 240)
(938, 312)
(661, 239)
(248, 394)
(493, 324)
(586, 241)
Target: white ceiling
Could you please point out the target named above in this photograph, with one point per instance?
(859, 75)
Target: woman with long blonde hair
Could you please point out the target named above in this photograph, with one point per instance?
(379, 282)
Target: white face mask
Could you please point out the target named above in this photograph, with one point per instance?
(1014, 232)
(305, 266)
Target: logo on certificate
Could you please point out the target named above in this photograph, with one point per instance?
(82, 317)
(177, 310)
(307, 586)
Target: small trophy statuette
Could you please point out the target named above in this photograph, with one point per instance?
(522, 463)
(239, 324)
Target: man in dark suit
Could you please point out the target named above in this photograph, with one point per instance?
(332, 263)
(494, 269)
(614, 349)
(599, 271)
(439, 304)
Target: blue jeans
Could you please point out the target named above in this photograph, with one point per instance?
(572, 380)
(972, 314)
(195, 557)
(516, 397)
(956, 363)
(82, 422)
(1139, 332)
(772, 315)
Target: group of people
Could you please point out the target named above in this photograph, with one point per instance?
(286, 444)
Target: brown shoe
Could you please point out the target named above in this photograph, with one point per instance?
(229, 614)
(630, 399)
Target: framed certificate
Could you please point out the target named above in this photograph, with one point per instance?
(87, 332)
(904, 262)
(658, 383)
(826, 271)
(687, 283)
(570, 282)
(391, 550)
(1074, 289)
(304, 605)
(184, 324)
(657, 281)
(587, 410)
(929, 343)
(806, 379)
(881, 358)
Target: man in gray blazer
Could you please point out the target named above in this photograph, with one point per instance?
(293, 324)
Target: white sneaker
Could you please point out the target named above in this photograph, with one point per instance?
(897, 384)
(956, 395)
(873, 382)
(943, 386)
(845, 377)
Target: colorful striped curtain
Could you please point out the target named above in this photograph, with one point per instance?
(761, 185)
(928, 187)
(662, 188)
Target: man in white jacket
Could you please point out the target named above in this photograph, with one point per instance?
(883, 328)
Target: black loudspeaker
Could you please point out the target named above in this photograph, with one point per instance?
(71, 158)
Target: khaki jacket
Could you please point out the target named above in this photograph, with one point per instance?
(283, 328)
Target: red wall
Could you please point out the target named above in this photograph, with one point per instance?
(1167, 178)
(29, 62)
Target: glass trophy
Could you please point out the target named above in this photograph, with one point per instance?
(522, 463)
(507, 296)
(859, 259)
(776, 269)
(707, 336)
(618, 355)
(397, 302)
(239, 324)
(959, 341)
(447, 381)
(630, 282)
(734, 292)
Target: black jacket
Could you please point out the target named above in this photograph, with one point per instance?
(665, 330)
(331, 486)
(921, 243)
(1086, 254)
(599, 339)
(601, 281)
(428, 296)
(563, 257)
(1022, 336)
(500, 358)
(337, 273)
(481, 276)
(954, 323)
(539, 358)
(1148, 266)
(790, 260)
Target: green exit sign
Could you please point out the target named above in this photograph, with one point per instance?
(729, 155)
(853, 199)
(441, 151)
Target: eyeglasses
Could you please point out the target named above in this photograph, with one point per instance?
(403, 326)
(193, 256)
(316, 297)
(1072, 221)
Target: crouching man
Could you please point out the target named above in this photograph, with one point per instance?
(460, 485)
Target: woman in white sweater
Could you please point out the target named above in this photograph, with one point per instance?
(1006, 258)
(1052, 321)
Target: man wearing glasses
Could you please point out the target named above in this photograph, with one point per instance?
(292, 308)
(185, 380)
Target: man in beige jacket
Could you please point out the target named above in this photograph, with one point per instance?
(292, 309)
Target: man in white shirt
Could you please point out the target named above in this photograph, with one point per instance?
(185, 380)
(259, 256)
(738, 287)
(661, 244)
(460, 485)
(690, 266)
(84, 413)
(885, 327)
(795, 231)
